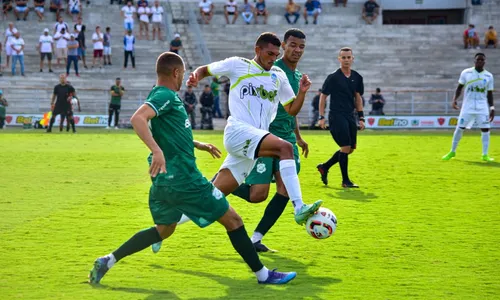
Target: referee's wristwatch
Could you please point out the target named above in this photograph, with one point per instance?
(321, 117)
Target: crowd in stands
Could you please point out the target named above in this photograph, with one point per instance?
(471, 37)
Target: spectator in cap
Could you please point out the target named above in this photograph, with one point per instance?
(73, 46)
(46, 47)
(176, 44)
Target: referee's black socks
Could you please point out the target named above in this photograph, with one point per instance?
(343, 162)
(333, 160)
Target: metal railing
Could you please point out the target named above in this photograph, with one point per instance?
(194, 27)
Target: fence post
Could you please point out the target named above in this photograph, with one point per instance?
(396, 103)
(412, 112)
(446, 103)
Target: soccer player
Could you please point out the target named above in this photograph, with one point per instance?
(345, 88)
(69, 114)
(285, 126)
(477, 104)
(60, 105)
(178, 186)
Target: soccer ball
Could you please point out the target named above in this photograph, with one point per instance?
(74, 101)
(322, 224)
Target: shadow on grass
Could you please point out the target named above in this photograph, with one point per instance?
(489, 164)
(353, 195)
(304, 286)
(152, 293)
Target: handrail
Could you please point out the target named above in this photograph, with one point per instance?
(168, 21)
(200, 39)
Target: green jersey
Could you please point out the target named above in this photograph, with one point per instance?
(214, 86)
(171, 130)
(3, 111)
(283, 125)
(116, 99)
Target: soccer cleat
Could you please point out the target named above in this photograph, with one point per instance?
(259, 247)
(350, 185)
(156, 247)
(306, 211)
(486, 157)
(324, 173)
(276, 277)
(449, 156)
(99, 270)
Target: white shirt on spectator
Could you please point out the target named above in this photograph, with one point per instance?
(206, 6)
(144, 14)
(63, 41)
(128, 42)
(17, 43)
(129, 13)
(231, 6)
(98, 45)
(60, 26)
(46, 41)
(74, 5)
(157, 14)
(10, 35)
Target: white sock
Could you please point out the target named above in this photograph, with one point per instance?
(183, 220)
(262, 274)
(485, 138)
(257, 236)
(291, 180)
(111, 261)
(457, 136)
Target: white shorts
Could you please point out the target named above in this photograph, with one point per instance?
(241, 142)
(467, 120)
(39, 9)
(107, 50)
(8, 50)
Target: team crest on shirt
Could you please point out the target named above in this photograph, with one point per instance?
(274, 78)
(261, 168)
(187, 124)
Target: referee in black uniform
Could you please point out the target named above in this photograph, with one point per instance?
(345, 88)
(60, 103)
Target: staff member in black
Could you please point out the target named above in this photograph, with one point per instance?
(61, 101)
(345, 88)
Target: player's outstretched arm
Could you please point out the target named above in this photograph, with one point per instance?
(293, 108)
(458, 91)
(214, 151)
(197, 75)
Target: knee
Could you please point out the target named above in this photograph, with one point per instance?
(234, 221)
(285, 148)
(165, 230)
(258, 196)
(351, 151)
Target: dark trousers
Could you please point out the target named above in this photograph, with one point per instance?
(74, 59)
(114, 108)
(132, 58)
(2, 122)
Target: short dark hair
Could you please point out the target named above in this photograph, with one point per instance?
(107, 28)
(345, 49)
(268, 38)
(167, 62)
(491, 27)
(378, 90)
(479, 54)
(295, 32)
(118, 78)
(207, 86)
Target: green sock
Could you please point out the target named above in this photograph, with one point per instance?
(138, 242)
(243, 191)
(243, 245)
(273, 211)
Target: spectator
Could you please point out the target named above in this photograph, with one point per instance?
(471, 38)
(190, 105)
(74, 9)
(72, 55)
(115, 104)
(370, 11)
(128, 12)
(3, 110)
(231, 9)
(39, 8)
(9, 36)
(46, 47)
(17, 45)
(107, 46)
(21, 7)
(337, 2)
(128, 47)
(377, 101)
(207, 102)
(97, 40)
(490, 37)
(315, 110)
(214, 87)
(62, 38)
(247, 11)
(292, 9)
(140, 3)
(119, 2)
(6, 6)
(206, 10)
(144, 13)
(81, 43)
(79, 25)
(312, 8)
(260, 10)
(56, 7)
(176, 44)
(157, 19)
(60, 25)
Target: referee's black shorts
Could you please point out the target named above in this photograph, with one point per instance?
(59, 111)
(343, 129)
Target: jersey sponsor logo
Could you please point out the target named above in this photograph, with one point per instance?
(477, 89)
(164, 105)
(260, 92)
(245, 148)
(261, 168)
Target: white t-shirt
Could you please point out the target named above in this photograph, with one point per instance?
(17, 43)
(231, 6)
(255, 93)
(129, 13)
(128, 42)
(63, 41)
(98, 45)
(144, 14)
(157, 14)
(60, 26)
(476, 87)
(46, 41)
(206, 6)
(10, 35)
(74, 5)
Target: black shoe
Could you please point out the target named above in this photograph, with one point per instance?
(350, 185)
(49, 130)
(259, 247)
(324, 173)
(50, 71)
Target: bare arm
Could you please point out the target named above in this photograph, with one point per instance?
(359, 102)
(322, 104)
(294, 107)
(300, 141)
(490, 103)
(197, 75)
(458, 91)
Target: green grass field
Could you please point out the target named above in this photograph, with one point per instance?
(418, 228)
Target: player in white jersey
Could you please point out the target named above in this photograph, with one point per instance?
(257, 88)
(477, 104)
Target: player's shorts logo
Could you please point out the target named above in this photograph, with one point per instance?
(187, 124)
(261, 168)
(217, 193)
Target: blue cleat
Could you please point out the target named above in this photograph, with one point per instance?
(99, 270)
(279, 277)
(156, 247)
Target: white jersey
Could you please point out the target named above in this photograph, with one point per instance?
(476, 86)
(255, 93)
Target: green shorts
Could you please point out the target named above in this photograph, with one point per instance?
(265, 167)
(200, 200)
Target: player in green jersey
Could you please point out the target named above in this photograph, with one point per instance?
(178, 186)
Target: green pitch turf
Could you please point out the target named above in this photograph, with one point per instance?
(419, 228)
